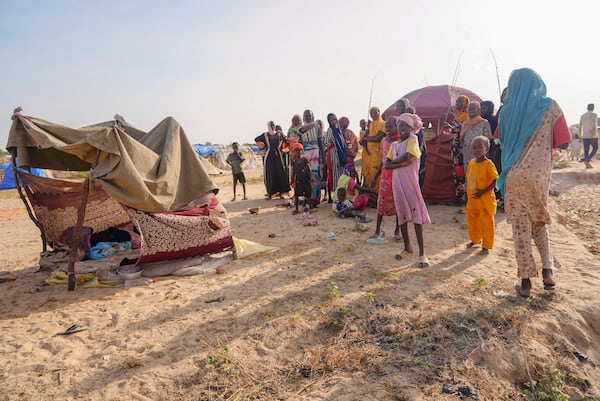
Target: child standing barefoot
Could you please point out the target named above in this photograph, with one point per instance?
(385, 196)
(403, 160)
(481, 205)
(235, 160)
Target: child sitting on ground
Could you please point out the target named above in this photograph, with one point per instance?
(343, 207)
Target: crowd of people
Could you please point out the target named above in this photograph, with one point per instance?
(500, 160)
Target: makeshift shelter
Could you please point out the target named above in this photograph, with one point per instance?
(434, 105)
(154, 180)
(7, 177)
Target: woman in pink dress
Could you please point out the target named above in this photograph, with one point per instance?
(403, 161)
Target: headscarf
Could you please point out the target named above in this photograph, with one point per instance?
(312, 117)
(405, 102)
(413, 120)
(344, 119)
(347, 168)
(522, 112)
(471, 122)
(374, 108)
(293, 130)
(298, 145)
(461, 114)
(271, 130)
(490, 116)
(338, 140)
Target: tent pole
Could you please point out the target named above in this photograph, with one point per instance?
(74, 254)
(19, 184)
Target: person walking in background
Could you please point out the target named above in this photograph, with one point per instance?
(481, 207)
(403, 161)
(350, 140)
(530, 126)
(235, 160)
(275, 178)
(311, 138)
(588, 131)
(371, 157)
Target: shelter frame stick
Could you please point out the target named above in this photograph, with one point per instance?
(80, 217)
(19, 184)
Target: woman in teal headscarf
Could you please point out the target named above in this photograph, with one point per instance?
(531, 125)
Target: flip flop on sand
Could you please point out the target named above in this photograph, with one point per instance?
(403, 255)
(549, 283)
(521, 292)
(71, 330)
(377, 240)
(423, 262)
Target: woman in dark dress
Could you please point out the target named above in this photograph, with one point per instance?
(275, 177)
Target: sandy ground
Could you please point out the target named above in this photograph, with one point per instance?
(317, 320)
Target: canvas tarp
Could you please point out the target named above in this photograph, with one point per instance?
(154, 171)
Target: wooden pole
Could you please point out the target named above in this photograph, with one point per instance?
(74, 255)
(27, 206)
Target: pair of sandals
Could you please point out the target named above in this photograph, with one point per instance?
(422, 261)
(549, 284)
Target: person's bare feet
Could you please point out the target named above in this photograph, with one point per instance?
(244, 198)
(233, 200)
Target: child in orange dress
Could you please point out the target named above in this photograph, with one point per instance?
(481, 205)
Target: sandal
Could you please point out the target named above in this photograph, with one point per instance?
(423, 262)
(525, 293)
(549, 283)
(521, 292)
(403, 255)
(377, 240)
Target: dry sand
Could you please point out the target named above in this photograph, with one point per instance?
(318, 320)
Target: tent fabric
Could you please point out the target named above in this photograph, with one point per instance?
(438, 185)
(55, 203)
(204, 150)
(154, 171)
(8, 177)
(434, 104)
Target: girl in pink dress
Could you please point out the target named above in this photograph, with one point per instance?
(403, 161)
(385, 196)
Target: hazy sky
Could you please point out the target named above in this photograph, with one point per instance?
(224, 68)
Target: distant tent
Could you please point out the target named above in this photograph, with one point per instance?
(204, 150)
(7, 177)
(434, 106)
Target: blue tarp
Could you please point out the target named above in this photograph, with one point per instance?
(8, 182)
(203, 150)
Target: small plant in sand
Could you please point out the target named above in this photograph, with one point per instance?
(221, 360)
(547, 388)
(370, 297)
(332, 292)
(339, 317)
(296, 316)
(480, 282)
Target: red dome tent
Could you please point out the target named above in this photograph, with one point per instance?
(434, 106)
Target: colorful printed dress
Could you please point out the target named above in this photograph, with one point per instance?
(408, 200)
(526, 192)
(385, 196)
(312, 141)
